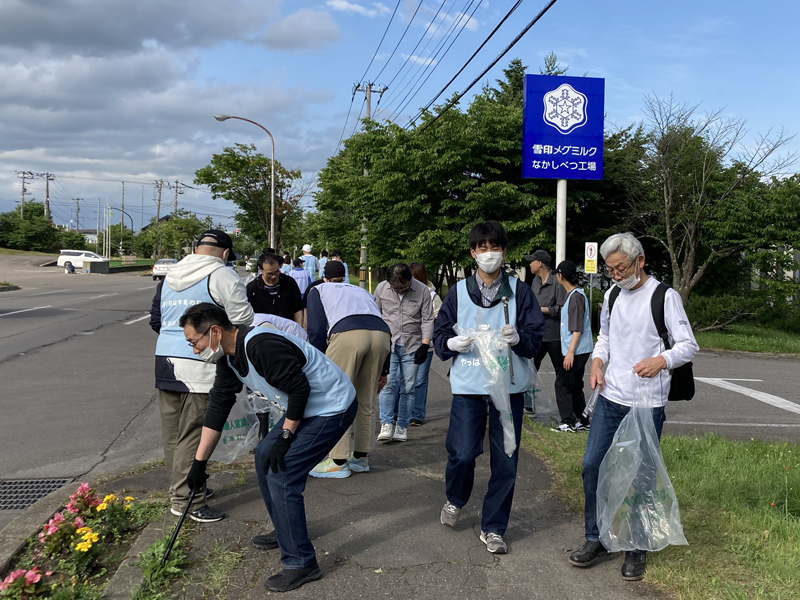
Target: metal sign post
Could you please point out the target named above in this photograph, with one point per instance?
(590, 267)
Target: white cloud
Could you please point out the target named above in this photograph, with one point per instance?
(418, 60)
(304, 30)
(345, 6)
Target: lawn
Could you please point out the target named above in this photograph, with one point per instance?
(749, 337)
(740, 509)
(10, 252)
(139, 262)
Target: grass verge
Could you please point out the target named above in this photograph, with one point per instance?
(740, 509)
(748, 337)
(157, 578)
(10, 252)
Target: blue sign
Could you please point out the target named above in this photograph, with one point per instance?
(562, 127)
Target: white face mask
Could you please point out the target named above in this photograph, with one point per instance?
(630, 282)
(489, 262)
(209, 355)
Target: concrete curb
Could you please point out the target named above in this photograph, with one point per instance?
(9, 288)
(128, 576)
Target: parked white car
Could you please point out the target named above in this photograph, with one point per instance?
(162, 266)
(76, 258)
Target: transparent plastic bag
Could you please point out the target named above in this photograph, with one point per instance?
(540, 401)
(636, 504)
(494, 359)
(240, 432)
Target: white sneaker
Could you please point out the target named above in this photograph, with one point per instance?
(387, 431)
(400, 434)
(563, 428)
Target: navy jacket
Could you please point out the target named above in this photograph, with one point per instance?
(530, 320)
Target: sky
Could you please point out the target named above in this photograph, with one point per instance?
(98, 92)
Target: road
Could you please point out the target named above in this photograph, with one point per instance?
(76, 366)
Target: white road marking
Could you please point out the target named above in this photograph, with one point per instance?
(775, 401)
(729, 379)
(16, 312)
(136, 320)
(734, 424)
(86, 333)
(103, 295)
(32, 295)
(149, 287)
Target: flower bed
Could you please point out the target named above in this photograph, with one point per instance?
(77, 550)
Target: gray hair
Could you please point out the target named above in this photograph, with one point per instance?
(622, 242)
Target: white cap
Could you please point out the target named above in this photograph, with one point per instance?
(307, 248)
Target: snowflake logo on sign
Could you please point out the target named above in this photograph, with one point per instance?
(565, 108)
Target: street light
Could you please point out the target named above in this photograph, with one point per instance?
(272, 175)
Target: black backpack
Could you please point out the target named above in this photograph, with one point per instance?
(682, 387)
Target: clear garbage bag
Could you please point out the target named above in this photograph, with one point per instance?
(636, 504)
(494, 359)
(536, 394)
(240, 434)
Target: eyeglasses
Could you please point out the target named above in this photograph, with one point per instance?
(202, 335)
(622, 271)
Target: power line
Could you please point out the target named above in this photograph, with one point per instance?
(360, 112)
(474, 54)
(493, 63)
(388, 60)
(347, 118)
(374, 54)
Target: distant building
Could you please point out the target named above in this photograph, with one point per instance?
(163, 219)
(89, 235)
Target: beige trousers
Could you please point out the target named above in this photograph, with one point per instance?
(360, 353)
(181, 424)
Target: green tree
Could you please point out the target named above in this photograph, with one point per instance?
(34, 232)
(71, 239)
(241, 175)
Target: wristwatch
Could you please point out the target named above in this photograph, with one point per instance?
(286, 434)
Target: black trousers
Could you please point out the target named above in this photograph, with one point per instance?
(574, 402)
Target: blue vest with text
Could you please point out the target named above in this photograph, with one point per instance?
(331, 390)
(171, 341)
(585, 344)
(467, 375)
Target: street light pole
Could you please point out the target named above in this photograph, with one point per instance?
(272, 174)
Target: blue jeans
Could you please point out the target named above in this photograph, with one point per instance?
(605, 422)
(402, 374)
(315, 437)
(465, 443)
(420, 390)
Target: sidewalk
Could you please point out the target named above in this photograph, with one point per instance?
(378, 534)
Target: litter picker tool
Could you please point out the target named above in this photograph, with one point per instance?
(177, 529)
(510, 362)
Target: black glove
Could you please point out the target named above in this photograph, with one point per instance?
(197, 475)
(276, 454)
(421, 355)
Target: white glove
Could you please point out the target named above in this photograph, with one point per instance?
(510, 335)
(460, 343)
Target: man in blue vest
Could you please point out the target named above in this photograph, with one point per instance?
(483, 293)
(183, 381)
(320, 405)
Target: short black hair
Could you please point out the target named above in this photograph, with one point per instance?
(270, 259)
(399, 273)
(336, 253)
(268, 251)
(203, 315)
(490, 232)
(324, 253)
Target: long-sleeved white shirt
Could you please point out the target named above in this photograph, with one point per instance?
(631, 336)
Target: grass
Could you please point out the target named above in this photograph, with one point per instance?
(219, 563)
(10, 252)
(157, 578)
(139, 262)
(748, 337)
(740, 509)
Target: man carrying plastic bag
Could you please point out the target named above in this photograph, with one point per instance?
(484, 293)
(629, 342)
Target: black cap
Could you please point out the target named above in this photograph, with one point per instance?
(335, 253)
(334, 269)
(567, 269)
(542, 256)
(222, 240)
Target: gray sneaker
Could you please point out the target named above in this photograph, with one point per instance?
(494, 543)
(450, 514)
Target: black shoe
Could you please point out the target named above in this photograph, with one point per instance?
(268, 541)
(633, 566)
(415, 422)
(527, 411)
(204, 514)
(588, 554)
(291, 579)
(209, 493)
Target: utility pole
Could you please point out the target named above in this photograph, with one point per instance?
(78, 214)
(48, 177)
(175, 202)
(368, 89)
(23, 175)
(97, 232)
(122, 219)
(159, 185)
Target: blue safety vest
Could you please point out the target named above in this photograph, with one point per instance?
(331, 390)
(585, 345)
(171, 341)
(466, 374)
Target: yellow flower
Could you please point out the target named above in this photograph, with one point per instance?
(82, 530)
(91, 537)
(83, 546)
(127, 507)
(129, 498)
(109, 498)
(102, 506)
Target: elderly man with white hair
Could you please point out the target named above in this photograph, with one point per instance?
(628, 342)
(310, 262)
